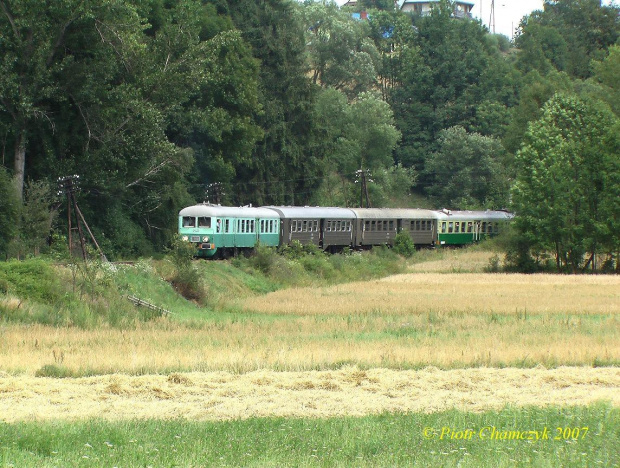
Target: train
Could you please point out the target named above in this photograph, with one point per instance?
(221, 231)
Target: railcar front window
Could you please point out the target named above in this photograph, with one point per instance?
(189, 221)
(204, 222)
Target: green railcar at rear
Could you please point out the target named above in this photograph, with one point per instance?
(456, 228)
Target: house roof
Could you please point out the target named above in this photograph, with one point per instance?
(402, 2)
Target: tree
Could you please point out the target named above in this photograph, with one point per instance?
(282, 168)
(535, 91)
(356, 135)
(607, 75)
(567, 192)
(567, 35)
(41, 42)
(445, 73)
(339, 51)
(9, 212)
(468, 171)
(371, 126)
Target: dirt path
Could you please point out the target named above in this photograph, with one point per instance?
(349, 391)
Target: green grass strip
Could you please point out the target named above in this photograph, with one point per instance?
(521, 437)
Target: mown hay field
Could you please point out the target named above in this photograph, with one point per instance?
(348, 391)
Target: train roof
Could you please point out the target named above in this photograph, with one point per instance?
(312, 212)
(475, 215)
(394, 213)
(215, 211)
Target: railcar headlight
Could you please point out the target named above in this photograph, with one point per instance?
(185, 238)
(205, 239)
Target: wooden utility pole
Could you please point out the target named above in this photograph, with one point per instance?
(363, 176)
(215, 191)
(69, 185)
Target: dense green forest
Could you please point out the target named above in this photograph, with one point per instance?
(158, 104)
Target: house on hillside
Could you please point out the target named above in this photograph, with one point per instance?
(462, 9)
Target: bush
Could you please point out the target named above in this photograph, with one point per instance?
(403, 244)
(263, 258)
(54, 370)
(186, 280)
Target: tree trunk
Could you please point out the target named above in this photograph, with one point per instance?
(20, 163)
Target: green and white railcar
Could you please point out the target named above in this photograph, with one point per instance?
(221, 230)
(468, 227)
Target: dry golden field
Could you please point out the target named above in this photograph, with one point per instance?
(406, 321)
(422, 341)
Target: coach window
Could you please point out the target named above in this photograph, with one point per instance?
(450, 227)
(484, 227)
(457, 227)
(443, 226)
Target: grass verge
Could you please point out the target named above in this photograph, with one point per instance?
(540, 437)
